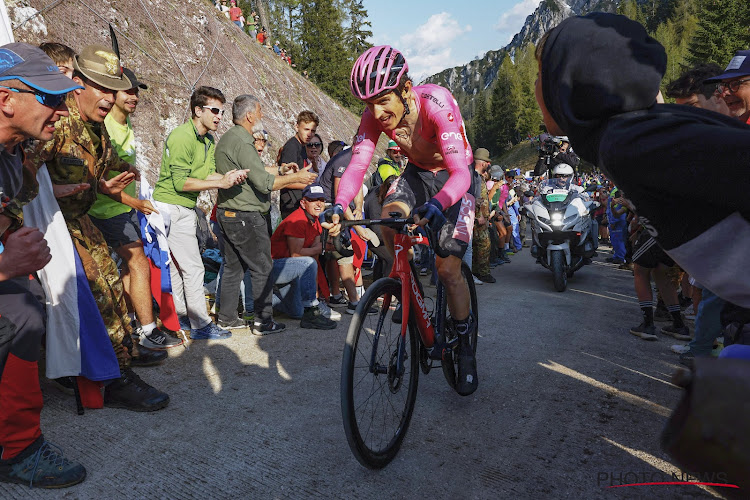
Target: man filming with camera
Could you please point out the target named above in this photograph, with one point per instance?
(554, 150)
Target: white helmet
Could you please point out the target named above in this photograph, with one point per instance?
(562, 169)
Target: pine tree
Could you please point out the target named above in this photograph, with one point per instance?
(502, 109)
(323, 52)
(480, 124)
(723, 28)
(358, 29)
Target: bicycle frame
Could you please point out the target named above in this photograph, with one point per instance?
(402, 271)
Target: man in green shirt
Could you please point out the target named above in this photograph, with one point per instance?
(119, 225)
(188, 167)
(243, 212)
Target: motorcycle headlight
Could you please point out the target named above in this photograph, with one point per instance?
(557, 219)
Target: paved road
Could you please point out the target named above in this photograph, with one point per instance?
(568, 403)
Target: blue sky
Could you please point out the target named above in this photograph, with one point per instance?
(441, 34)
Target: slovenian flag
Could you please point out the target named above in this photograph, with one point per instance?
(77, 340)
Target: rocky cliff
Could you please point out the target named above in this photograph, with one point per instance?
(467, 80)
(174, 47)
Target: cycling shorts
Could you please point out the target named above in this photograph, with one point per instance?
(416, 186)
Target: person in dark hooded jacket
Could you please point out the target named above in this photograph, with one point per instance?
(685, 169)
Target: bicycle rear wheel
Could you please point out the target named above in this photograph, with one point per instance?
(450, 359)
(377, 400)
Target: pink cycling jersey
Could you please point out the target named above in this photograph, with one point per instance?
(440, 123)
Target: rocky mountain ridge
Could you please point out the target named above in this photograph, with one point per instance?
(467, 80)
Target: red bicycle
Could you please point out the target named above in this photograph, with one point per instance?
(382, 355)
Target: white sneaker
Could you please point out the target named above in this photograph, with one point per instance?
(477, 281)
(680, 348)
(328, 312)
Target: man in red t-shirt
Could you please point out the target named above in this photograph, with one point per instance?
(294, 247)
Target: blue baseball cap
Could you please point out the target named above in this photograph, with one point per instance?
(313, 192)
(30, 65)
(738, 66)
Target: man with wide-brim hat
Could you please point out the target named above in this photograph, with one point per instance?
(78, 156)
(118, 223)
(32, 99)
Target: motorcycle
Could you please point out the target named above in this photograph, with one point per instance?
(561, 229)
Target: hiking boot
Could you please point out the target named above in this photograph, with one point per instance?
(129, 392)
(328, 312)
(466, 381)
(232, 325)
(210, 332)
(148, 357)
(43, 467)
(486, 278)
(313, 319)
(644, 332)
(267, 327)
(157, 339)
(682, 333)
(339, 301)
(352, 308)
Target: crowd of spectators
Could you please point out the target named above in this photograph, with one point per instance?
(76, 121)
(253, 27)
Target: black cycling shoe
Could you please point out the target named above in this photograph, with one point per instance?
(129, 392)
(466, 381)
(148, 357)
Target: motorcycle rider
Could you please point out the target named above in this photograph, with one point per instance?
(562, 178)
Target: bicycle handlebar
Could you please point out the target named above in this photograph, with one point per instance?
(395, 223)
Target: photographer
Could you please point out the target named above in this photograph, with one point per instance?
(554, 150)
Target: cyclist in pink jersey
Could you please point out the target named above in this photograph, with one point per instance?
(436, 185)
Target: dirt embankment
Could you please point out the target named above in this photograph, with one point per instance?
(174, 47)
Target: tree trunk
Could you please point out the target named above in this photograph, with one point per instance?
(264, 19)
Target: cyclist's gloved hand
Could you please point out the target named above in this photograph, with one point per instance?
(327, 215)
(433, 212)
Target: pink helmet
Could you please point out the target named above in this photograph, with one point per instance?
(376, 71)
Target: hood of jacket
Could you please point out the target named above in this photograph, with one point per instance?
(597, 66)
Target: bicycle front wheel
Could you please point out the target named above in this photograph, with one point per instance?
(379, 376)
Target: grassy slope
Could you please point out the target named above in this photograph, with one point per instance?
(522, 156)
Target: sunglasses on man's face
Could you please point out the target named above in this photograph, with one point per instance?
(50, 100)
(216, 111)
(314, 144)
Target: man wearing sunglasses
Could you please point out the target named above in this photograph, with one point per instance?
(188, 166)
(78, 158)
(734, 85)
(32, 100)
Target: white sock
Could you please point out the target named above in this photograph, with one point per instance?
(148, 328)
(131, 316)
(360, 291)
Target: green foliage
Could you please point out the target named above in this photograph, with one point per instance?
(357, 29)
(324, 55)
(723, 28)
